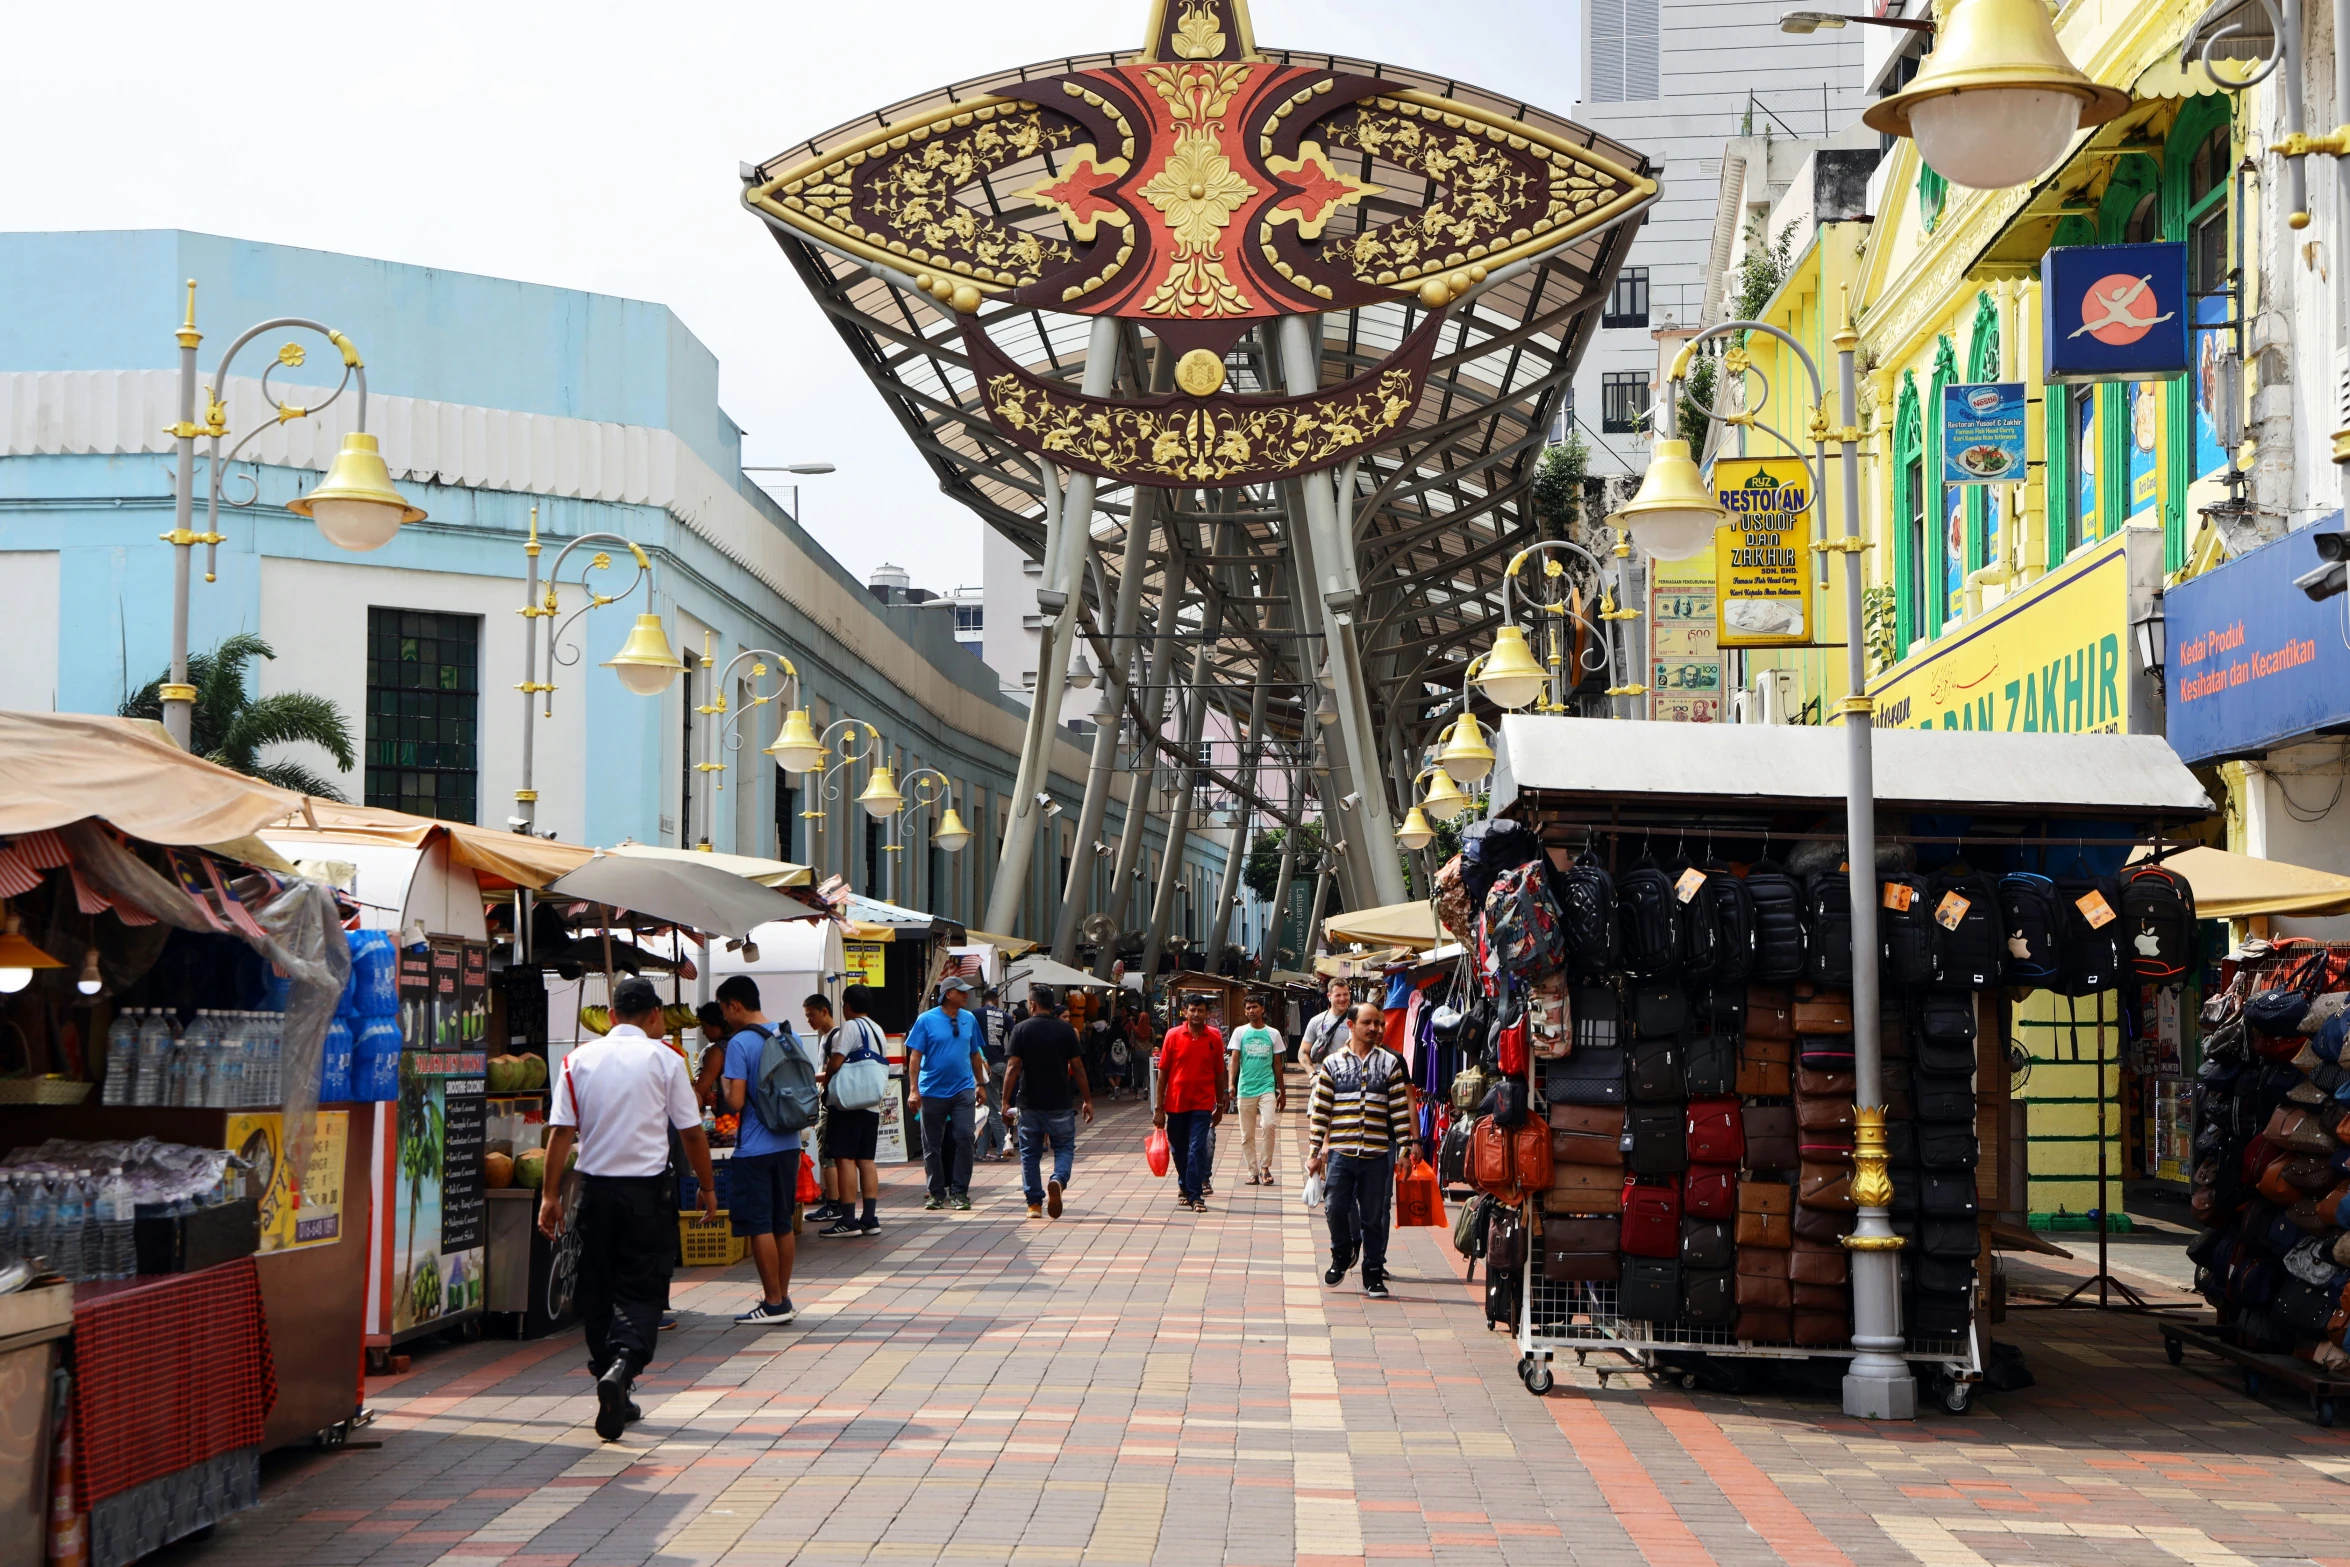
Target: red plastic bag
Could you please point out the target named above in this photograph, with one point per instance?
(1156, 1152)
(1419, 1200)
(811, 1189)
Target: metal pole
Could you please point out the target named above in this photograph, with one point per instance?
(1878, 1385)
(179, 698)
(1133, 565)
(1280, 916)
(1311, 938)
(1179, 824)
(1138, 783)
(1237, 850)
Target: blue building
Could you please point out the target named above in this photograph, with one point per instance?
(490, 398)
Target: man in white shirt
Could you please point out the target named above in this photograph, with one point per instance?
(618, 1097)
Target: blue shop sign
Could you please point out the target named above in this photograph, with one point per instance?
(2115, 312)
(2253, 663)
(1983, 433)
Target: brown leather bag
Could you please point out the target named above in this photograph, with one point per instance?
(1586, 1134)
(1764, 1293)
(1821, 1297)
(1765, 1197)
(1585, 1188)
(2306, 1172)
(1763, 1262)
(2299, 1131)
(1809, 1262)
(1823, 1148)
(1764, 1079)
(1593, 1267)
(1530, 1156)
(1824, 1186)
(1826, 1012)
(2273, 1185)
(1823, 1114)
(1764, 1326)
(1582, 1234)
(1489, 1166)
(1770, 1014)
(1823, 1226)
(1778, 1051)
(1763, 1214)
(1811, 1083)
(1770, 1137)
(1822, 1329)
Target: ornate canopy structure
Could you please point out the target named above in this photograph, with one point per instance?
(1255, 350)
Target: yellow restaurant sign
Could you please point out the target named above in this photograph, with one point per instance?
(2055, 660)
(1762, 584)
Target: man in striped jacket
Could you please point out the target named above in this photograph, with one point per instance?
(1361, 1120)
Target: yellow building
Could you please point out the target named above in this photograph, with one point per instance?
(2011, 605)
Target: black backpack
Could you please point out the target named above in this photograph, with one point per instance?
(1732, 907)
(1586, 899)
(2158, 923)
(2090, 940)
(2030, 919)
(1827, 917)
(1701, 953)
(1491, 849)
(1709, 1065)
(1650, 919)
(1965, 913)
(1778, 922)
(1905, 930)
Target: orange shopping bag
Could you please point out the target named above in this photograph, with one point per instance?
(1419, 1200)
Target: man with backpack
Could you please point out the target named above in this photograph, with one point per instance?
(855, 1078)
(771, 1084)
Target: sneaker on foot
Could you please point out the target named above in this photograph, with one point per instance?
(844, 1225)
(768, 1314)
(668, 1320)
(962, 1202)
(869, 1227)
(612, 1401)
(1036, 1210)
(933, 1204)
(1052, 1198)
(1334, 1273)
(1375, 1291)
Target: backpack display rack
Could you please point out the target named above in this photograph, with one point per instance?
(1715, 1046)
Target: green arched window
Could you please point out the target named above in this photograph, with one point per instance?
(1933, 195)
(1983, 501)
(1946, 528)
(1909, 504)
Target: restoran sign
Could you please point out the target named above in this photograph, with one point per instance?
(2054, 660)
(1762, 575)
(2253, 663)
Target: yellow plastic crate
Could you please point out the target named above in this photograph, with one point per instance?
(710, 1245)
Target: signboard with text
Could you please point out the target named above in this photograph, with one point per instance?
(1983, 433)
(2114, 312)
(1685, 668)
(2253, 662)
(1762, 574)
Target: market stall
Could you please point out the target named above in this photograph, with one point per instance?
(1411, 925)
(1661, 916)
(167, 986)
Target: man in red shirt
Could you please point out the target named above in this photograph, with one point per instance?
(1192, 1097)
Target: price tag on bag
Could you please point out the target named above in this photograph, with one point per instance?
(1691, 883)
(2094, 909)
(1899, 895)
(1951, 910)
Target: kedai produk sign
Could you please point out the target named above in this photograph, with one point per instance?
(2253, 663)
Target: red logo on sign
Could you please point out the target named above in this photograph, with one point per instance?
(2117, 310)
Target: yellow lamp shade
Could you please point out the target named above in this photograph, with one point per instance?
(1674, 515)
(881, 798)
(951, 834)
(1466, 755)
(1415, 833)
(1444, 799)
(1510, 677)
(1996, 102)
(644, 663)
(797, 749)
(356, 506)
(19, 957)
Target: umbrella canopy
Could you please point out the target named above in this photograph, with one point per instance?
(750, 867)
(57, 768)
(1410, 925)
(2230, 886)
(1044, 971)
(679, 891)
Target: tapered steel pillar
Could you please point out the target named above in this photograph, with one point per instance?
(1237, 851)
(1195, 713)
(1133, 565)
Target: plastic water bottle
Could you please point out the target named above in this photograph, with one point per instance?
(273, 1047)
(154, 1051)
(94, 1211)
(32, 1218)
(118, 1250)
(8, 1237)
(66, 1213)
(122, 1059)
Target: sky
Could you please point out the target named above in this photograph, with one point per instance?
(594, 146)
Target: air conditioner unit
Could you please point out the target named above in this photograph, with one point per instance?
(1769, 698)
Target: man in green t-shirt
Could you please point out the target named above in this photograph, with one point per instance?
(1256, 1066)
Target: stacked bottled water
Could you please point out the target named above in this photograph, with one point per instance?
(219, 1061)
(74, 1205)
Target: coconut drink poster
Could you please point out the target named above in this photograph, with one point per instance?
(1983, 433)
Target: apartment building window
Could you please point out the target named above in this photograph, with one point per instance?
(1621, 41)
(876, 847)
(970, 619)
(1623, 402)
(423, 712)
(1627, 302)
(787, 817)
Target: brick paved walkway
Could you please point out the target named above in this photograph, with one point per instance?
(1135, 1384)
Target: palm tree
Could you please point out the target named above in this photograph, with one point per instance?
(231, 727)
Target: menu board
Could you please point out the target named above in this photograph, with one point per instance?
(463, 1142)
(1685, 664)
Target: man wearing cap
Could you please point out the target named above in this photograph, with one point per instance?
(618, 1098)
(947, 1068)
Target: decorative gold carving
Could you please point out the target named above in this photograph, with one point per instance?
(1197, 190)
(1872, 1187)
(1076, 192)
(1198, 35)
(1202, 445)
(1325, 191)
(1200, 372)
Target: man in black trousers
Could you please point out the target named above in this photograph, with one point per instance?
(619, 1097)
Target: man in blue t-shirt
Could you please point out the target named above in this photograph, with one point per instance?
(946, 1066)
(763, 1182)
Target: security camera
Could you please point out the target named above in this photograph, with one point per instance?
(518, 823)
(1052, 807)
(750, 952)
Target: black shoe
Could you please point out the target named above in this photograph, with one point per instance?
(612, 1403)
(1375, 1289)
(844, 1225)
(634, 1414)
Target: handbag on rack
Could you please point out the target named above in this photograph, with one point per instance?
(1710, 1191)
(1827, 1186)
(1586, 1134)
(1766, 1214)
(1769, 1133)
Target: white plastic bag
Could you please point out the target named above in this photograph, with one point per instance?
(1313, 1191)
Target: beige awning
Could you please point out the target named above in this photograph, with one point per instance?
(2238, 887)
(57, 768)
(750, 867)
(1360, 965)
(499, 859)
(1009, 946)
(1410, 925)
